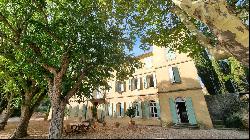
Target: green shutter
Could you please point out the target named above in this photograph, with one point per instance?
(173, 110)
(177, 77)
(139, 108)
(145, 109)
(83, 110)
(158, 109)
(190, 111)
(76, 109)
(122, 109)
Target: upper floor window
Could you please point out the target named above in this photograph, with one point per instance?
(135, 83)
(148, 62)
(170, 54)
(150, 81)
(120, 86)
(174, 75)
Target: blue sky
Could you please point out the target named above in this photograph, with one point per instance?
(136, 50)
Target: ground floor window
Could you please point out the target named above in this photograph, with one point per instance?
(136, 105)
(153, 109)
(118, 109)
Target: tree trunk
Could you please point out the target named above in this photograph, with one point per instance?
(6, 114)
(21, 130)
(230, 30)
(56, 122)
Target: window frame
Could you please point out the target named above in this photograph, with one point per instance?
(153, 106)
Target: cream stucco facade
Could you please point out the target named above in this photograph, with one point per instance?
(156, 84)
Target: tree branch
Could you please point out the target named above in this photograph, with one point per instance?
(39, 99)
(64, 64)
(6, 22)
(75, 87)
(50, 69)
(217, 52)
(50, 86)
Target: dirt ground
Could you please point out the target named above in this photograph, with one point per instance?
(38, 129)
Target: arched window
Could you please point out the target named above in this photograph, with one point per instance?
(153, 109)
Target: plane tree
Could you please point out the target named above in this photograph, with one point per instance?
(221, 27)
(72, 44)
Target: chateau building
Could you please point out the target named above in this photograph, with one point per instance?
(166, 89)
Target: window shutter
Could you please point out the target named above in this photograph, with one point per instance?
(83, 109)
(122, 87)
(122, 109)
(129, 84)
(154, 79)
(110, 109)
(116, 86)
(145, 82)
(177, 77)
(173, 110)
(148, 81)
(140, 109)
(146, 109)
(114, 110)
(171, 75)
(190, 111)
(132, 84)
(158, 109)
(138, 83)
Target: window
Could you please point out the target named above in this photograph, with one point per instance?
(148, 62)
(174, 75)
(135, 83)
(153, 109)
(118, 109)
(120, 86)
(136, 105)
(150, 81)
(170, 54)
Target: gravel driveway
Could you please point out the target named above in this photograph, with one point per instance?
(155, 132)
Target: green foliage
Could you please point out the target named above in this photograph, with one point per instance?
(130, 112)
(44, 105)
(237, 74)
(234, 115)
(234, 121)
(207, 73)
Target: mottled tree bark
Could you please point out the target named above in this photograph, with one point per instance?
(56, 122)
(218, 52)
(229, 29)
(21, 130)
(6, 113)
(27, 109)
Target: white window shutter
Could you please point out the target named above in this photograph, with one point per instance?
(122, 109)
(171, 74)
(110, 110)
(145, 81)
(154, 79)
(138, 83)
(122, 87)
(129, 84)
